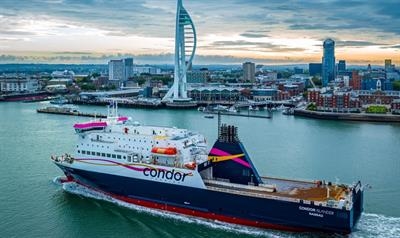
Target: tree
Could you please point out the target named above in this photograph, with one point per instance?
(396, 85)
(317, 81)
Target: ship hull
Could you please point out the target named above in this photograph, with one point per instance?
(221, 206)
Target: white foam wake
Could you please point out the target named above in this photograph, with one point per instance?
(374, 225)
(370, 225)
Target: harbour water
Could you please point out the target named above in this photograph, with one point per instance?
(33, 204)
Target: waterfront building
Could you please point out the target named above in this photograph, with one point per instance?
(264, 94)
(17, 84)
(313, 95)
(328, 62)
(337, 101)
(377, 96)
(315, 69)
(249, 72)
(185, 48)
(213, 94)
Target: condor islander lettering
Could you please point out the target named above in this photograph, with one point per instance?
(316, 211)
(165, 174)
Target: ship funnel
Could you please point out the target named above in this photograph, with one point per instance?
(229, 159)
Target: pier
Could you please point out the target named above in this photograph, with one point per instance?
(70, 113)
(239, 114)
(367, 117)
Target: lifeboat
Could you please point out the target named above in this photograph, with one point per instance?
(164, 151)
(191, 165)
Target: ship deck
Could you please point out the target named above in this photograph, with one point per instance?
(283, 189)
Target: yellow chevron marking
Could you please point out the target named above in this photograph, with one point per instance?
(224, 158)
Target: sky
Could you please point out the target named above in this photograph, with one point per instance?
(228, 31)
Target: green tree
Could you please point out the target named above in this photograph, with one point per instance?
(312, 107)
(396, 85)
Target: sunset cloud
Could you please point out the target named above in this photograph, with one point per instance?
(259, 29)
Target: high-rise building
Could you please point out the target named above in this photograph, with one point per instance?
(328, 62)
(249, 71)
(355, 81)
(315, 69)
(389, 67)
(128, 69)
(388, 63)
(119, 71)
(116, 70)
(342, 66)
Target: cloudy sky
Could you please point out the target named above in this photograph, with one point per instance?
(229, 31)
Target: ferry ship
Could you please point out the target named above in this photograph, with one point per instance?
(171, 169)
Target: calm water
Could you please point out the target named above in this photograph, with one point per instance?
(32, 205)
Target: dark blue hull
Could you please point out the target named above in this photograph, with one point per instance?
(245, 210)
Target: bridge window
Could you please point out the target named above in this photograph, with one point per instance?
(118, 156)
(113, 156)
(109, 155)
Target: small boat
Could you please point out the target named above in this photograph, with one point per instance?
(220, 108)
(232, 109)
(251, 108)
(281, 108)
(288, 112)
(209, 116)
(59, 101)
(201, 109)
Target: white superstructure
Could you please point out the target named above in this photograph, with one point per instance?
(121, 147)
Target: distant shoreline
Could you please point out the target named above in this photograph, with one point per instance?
(366, 117)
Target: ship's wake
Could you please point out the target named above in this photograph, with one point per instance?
(370, 225)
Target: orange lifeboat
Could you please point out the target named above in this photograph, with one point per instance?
(164, 151)
(191, 165)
